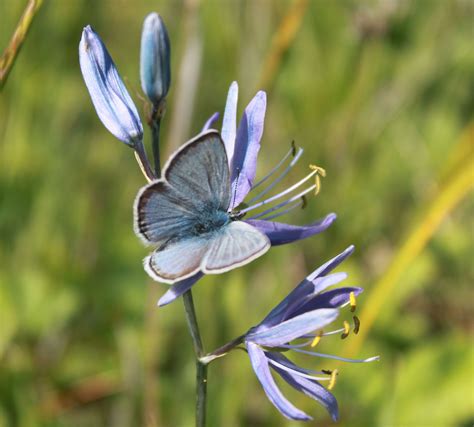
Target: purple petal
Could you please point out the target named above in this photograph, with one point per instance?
(229, 122)
(178, 289)
(330, 299)
(323, 282)
(331, 264)
(298, 297)
(247, 146)
(283, 360)
(260, 366)
(111, 100)
(280, 233)
(210, 122)
(293, 328)
(312, 389)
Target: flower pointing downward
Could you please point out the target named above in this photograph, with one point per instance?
(309, 307)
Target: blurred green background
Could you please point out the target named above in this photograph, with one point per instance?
(379, 93)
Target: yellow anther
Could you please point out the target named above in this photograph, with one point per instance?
(356, 324)
(332, 381)
(317, 338)
(353, 301)
(347, 329)
(317, 182)
(319, 171)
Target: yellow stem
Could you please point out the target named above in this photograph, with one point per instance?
(11, 52)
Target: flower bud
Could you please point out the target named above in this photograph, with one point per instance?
(155, 71)
(111, 100)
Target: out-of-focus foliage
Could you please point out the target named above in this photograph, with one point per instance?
(378, 93)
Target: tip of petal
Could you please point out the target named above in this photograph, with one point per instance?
(152, 16)
(330, 218)
(88, 31)
(167, 298)
(261, 94)
(259, 101)
(349, 250)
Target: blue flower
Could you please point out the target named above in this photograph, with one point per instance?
(155, 74)
(111, 100)
(308, 308)
(242, 144)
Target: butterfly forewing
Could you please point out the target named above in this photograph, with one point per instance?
(236, 244)
(199, 171)
(196, 179)
(162, 214)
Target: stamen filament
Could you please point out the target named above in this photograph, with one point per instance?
(295, 372)
(291, 346)
(342, 359)
(292, 151)
(283, 212)
(283, 193)
(286, 202)
(278, 179)
(336, 331)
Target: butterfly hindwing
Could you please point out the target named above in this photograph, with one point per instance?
(176, 261)
(236, 244)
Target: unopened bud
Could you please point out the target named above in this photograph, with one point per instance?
(111, 100)
(155, 71)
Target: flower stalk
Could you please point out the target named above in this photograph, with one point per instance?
(201, 367)
(155, 126)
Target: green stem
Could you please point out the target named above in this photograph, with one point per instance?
(143, 161)
(201, 368)
(201, 393)
(155, 142)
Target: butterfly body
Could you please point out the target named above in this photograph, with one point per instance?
(185, 214)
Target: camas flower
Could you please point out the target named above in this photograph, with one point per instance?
(242, 145)
(308, 308)
(111, 100)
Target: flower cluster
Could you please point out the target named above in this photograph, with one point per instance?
(205, 213)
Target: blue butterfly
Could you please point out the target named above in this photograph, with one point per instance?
(187, 215)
